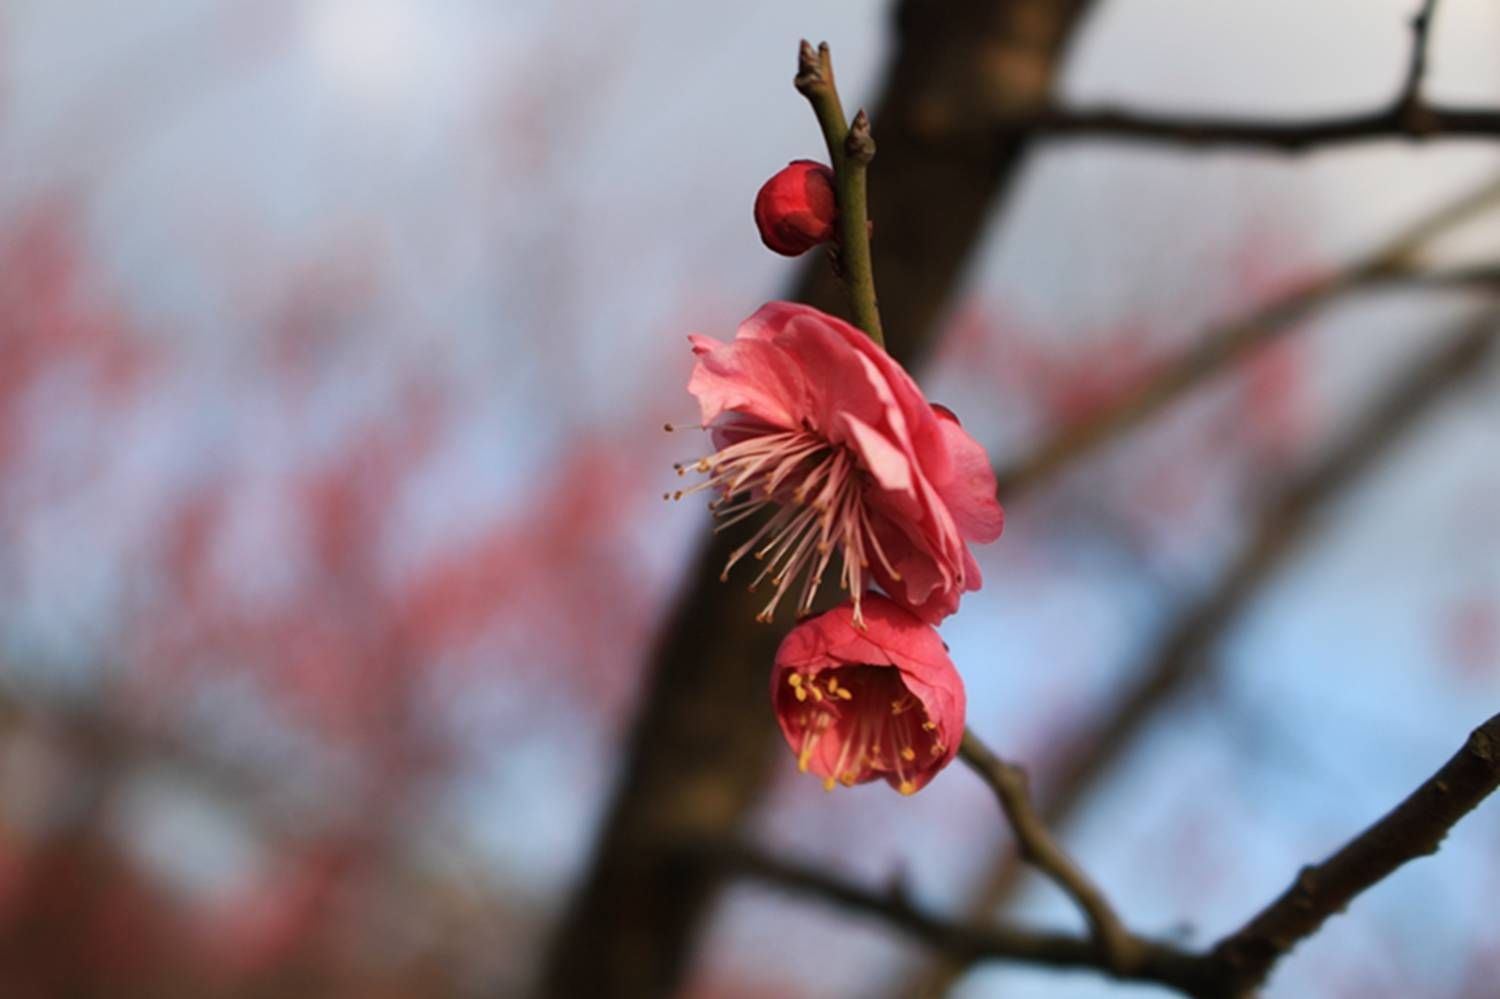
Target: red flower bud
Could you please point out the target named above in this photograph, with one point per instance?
(795, 209)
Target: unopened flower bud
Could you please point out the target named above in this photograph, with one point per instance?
(795, 209)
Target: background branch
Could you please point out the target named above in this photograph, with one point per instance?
(1410, 94)
(1408, 116)
(1218, 347)
(1285, 135)
(1156, 961)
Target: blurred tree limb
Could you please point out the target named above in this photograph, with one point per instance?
(1214, 350)
(1408, 116)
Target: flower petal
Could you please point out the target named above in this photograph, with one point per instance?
(754, 378)
(969, 490)
(890, 466)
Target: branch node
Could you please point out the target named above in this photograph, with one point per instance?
(809, 69)
(859, 145)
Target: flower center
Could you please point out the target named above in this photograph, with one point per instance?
(818, 490)
(860, 722)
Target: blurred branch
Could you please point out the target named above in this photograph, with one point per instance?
(1415, 828)
(1408, 116)
(1154, 961)
(1232, 968)
(1416, 66)
(1218, 347)
(1182, 652)
(850, 150)
(1414, 122)
(1039, 849)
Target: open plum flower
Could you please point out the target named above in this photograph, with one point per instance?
(813, 419)
(859, 703)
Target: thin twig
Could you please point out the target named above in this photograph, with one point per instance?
(1217, 348)
(1038, 847)
(1408, 116)
(850, 150)
(1284, 135)
(1158, 961)
(1410, 95)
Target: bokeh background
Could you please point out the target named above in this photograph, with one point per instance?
(336, 338)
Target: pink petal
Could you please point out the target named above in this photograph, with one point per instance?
(969, 491)
(887, 463)
(751, 377)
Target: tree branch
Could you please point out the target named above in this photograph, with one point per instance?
(1218, 347)
(1415, 828)
(1286, 135)
(1157, 961)
(1038, 848)
(1408, 116)
(1410, 95)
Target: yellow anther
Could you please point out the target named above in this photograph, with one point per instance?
(928, 726)
(908, 754)
(801, 694)
(845, 694)
(828, 783)
(848, 778)
(795, 679)
(818, 694)
(907, 788)
(938, 749)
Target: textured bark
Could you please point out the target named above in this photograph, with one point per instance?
(697, 756)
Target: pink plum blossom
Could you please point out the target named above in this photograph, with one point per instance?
(856, 703)
(815, 421)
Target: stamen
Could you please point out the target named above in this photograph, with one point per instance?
(823, 513)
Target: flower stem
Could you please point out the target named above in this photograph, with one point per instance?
(850, 150)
